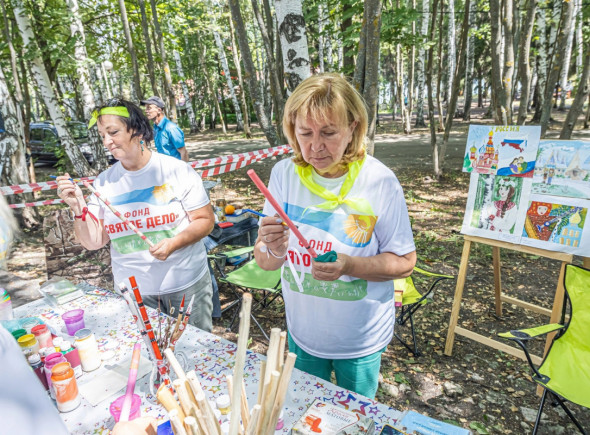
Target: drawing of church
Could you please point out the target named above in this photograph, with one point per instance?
(487, 160)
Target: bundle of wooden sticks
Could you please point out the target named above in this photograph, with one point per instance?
(170, 330)
(194, 414)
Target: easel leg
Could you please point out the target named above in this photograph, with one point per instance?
(586, 262)
(458, 296)
(497, 279)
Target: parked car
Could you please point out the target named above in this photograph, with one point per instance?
(44, 140)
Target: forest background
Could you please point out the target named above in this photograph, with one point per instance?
(426, 69)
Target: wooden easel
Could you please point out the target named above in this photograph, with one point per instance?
(554, 313)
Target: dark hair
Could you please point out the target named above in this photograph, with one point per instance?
(137, 121)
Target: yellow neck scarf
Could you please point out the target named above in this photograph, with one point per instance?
(332, 200)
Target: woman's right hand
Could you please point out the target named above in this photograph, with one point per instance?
(70, 192)
(274, 234)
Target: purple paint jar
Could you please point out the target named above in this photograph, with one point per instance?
(74, 320)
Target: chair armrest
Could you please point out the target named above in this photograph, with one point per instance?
(527, 334)
(432, 274)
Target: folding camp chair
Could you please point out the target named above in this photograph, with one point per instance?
(249, 277)
(412, 301)
(564, 373)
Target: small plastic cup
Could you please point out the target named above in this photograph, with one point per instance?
(74, 320)
(135, 411)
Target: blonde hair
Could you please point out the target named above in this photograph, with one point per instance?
(323, 97)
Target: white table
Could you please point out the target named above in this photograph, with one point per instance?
(210, 356)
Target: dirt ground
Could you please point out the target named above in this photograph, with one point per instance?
(478, 388)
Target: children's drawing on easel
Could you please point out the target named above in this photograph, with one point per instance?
(496, 205)
(502, 150)
(552, 222)
(563, 169)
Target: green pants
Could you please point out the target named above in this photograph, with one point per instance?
(360, 375)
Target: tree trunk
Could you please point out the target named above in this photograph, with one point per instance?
(565, 67)
(211, 89)
(587, 118)
(579, 38)
(291, 26)
(230, 85)
(346, 57)
(496, 48)
(45, 89)
(237, 63)
(578, 104)
(524, 69)
(468, 92)
(321, 37)
(399, 77)
(131, 49)
(366, 74)
(541, 65)
(420, 65)
(148, 48)
(556, 62)
(452, 50)
(411, 73)
(508, 72)
(187, 96)
(169, 90)
(265, 124)
(441, 121)
(429, 92)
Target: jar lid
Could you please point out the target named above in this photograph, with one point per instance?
(223, 401)
(27, 340)
(81, 334)
(34, 359)
(19, 333)
(39, 329)
(58, 341)
(31, 321)
(61, 368)
(65, 345)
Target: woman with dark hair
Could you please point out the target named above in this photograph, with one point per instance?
(164, 198)
(502, 213)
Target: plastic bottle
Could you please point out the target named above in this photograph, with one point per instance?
(223, 404)
(5, 306)
(37, 366)
(88, 350)
(57, 341)
(29, 344)
(65, 386)
(50, 361)
(280, 421)
(43, 336)
(73, 357)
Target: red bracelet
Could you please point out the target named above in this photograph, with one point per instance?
(83, 215)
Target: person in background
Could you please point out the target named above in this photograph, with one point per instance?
(169, 138)
(340, 314)
(165, 199)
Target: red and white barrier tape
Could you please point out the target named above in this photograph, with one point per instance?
(234, 162)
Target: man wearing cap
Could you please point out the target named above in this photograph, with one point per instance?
(169, 138)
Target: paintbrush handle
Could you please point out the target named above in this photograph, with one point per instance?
(126, 408)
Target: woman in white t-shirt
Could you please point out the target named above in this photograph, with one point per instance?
(164, 198)
(340, 314)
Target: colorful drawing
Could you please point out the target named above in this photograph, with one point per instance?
(502, 150)
(556, 223)
(496, 203)
(563, 168)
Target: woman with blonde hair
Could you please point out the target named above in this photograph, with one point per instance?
(340, 314)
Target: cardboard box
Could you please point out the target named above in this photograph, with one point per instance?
(329, 419)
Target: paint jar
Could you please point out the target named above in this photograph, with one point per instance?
(74, 320)
(280, 421)
(30, 323)
(57, 341)
(223, 404)
(88, 350)
(52, 360)
(19, 333)
(225, 428)
(73, 356)
(43, 336)
(65, 386)
(44, 351)
(37, 366)
(29, 344)
(135, 411)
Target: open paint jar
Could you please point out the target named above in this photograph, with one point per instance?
(135, 411)
(74, 320)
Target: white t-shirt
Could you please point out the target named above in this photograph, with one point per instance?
(349, 317)
(156, 200)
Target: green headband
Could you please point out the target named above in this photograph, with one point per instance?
(119, 111)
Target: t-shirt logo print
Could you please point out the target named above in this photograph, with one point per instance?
(359, 228)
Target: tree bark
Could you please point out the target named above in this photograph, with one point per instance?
(567, 58)
(131, 49)
(524, 69)
(187, 96)
(211, 89)
(468, 92)
(148, 47)
(250, 76)
(411, 73)
(346, 57)
(420, 65)
(321, 37)
(541, 65)
(441, 120)
(169, 90)
(45, 89)
(452, 50)
(556, 62)
(367, 69)
(237, 63)
(578, 104)
(431, 118)
(496, 48)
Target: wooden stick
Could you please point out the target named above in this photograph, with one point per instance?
(281, 353)
(261, 382)
(254, 420)
(281, 392)
(211, 422)
(240, 363)
(183, 397)
(168, 401)
(198, 415)
(191, 424)
(245, 407)
(205, 408)
(271, 360)
(267, 402)
(175, 364)
(176, 422)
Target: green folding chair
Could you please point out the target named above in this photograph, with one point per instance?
(412, 301)
(564, 373)
(249, 277)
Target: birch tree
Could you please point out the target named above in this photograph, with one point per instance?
(211, 88)
(148, 47)
(291, 25)
(468, 92)
(565, 67)
(578, 104)
(230, 85)
(366, 73)
(265, 124)
(452, 51)
(46, 90)
(187, 96)
(237, 63)
(541, 63)
(421, 62)
(524, 68)
(496, 45)
(131, 49)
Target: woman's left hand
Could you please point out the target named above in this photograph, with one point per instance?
(162, 249)
(331, 271)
